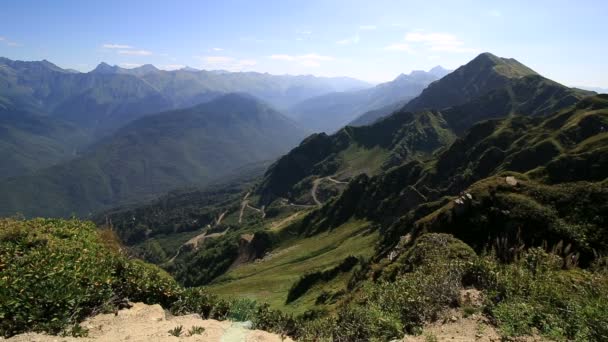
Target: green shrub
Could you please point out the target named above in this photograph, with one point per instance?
(536, 294)
(194, 300)
(274, 321)
(366, 323)
(242, 309)
(142, 282)
(54, 273)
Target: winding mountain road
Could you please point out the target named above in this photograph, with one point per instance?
(315, 186)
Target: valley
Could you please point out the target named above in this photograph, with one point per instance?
(229, 203)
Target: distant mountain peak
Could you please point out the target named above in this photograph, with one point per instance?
(105, 68)
(146, 68)
(439, 71)
(508, 67)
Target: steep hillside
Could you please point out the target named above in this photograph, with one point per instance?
(404, 136)
(568, 146)
(330, 112)
(156, 154)
(30, 142)
(484, 73)
(509, 216)
(99, 103)
(401, 137)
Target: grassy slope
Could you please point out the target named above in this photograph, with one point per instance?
(270, 280)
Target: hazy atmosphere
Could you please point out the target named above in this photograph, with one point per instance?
(317, 171)
(374, 42)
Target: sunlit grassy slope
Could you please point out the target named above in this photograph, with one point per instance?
(269, 280)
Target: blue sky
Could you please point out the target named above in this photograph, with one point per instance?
(371, 40)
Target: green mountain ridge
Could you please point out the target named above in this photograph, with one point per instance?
(156, 154)
(516, 90)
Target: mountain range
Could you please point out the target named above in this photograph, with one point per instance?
(507, 161)
(488, 87)
(329, 112)
(58, 113)
(155, 154)
(484, 198)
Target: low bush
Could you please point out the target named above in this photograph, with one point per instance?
(535, 294)
(54, 273)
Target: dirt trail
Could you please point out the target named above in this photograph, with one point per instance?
(147, 323)
(220, 218)
(197, 239)
(315, 186)
(245, 204)
(313, 191)
(335, 180)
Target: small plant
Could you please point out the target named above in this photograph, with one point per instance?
(77, 330)
(430, 337)
(196, 330)
(177, 331)
(469, 310)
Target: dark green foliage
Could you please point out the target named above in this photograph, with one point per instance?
(194, 300)
(535, 294)
(242, 309)
(310, 279)
(426, 251)
(53, 273)
(210, 261)
(177, 211)
(532, 213)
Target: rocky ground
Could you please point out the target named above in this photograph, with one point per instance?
(151, 323)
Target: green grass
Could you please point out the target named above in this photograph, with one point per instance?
(358, 159)
(270, 280)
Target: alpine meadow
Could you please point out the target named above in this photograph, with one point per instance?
(303, 171)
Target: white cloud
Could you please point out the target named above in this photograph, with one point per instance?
(436, 41)
(217, 49)
(367, 27)
(311, 60)
(398, 47)
(348, 41)
(135, 52)
(305, 32)
(116, 46)
(226, 63)
(9, 42)
(434, 57)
